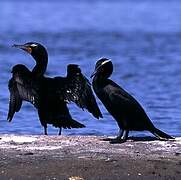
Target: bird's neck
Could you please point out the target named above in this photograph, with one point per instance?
(99, 81)
(41, 66)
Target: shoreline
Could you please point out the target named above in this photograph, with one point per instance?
(88, 157)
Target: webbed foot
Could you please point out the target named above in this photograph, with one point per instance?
(123, 136)
(117, 140)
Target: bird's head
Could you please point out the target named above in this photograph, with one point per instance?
(36, 50)
(103, 68)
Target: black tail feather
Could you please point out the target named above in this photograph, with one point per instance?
(161, 135)
(75, 124)
(68, 124)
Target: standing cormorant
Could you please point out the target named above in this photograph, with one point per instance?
(125, 109)
(50, 95)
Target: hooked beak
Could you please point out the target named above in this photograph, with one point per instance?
(23, 47)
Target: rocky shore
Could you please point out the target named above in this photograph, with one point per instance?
(88, 157)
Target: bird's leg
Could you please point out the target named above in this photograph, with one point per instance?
(45, 130)
(121, 138)
(124, 137)
(120, 133)
(60, 131)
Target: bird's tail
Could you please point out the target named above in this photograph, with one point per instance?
(67, 123)
(74, 124)
(160, 134)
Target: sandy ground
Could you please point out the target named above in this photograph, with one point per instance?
(88, 157)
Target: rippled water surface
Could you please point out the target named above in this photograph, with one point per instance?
(143, 39)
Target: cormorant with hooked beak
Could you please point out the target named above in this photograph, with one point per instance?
(50, 95)
(125, 109)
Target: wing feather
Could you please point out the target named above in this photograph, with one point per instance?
(76, 88)
(21, 87)
(15, 101)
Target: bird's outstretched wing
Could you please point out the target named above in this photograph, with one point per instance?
(76, 88)
(20, 89)
(15, 101)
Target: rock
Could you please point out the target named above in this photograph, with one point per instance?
(88, 157)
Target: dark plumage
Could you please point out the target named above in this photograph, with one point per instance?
(50, 95)
(128, 113)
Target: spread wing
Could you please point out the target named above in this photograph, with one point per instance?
(20, 88)
(76, 88)
(15, 101)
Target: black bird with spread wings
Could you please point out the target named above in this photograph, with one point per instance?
(50, 95)
(125, 109)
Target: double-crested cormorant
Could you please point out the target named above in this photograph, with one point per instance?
(128, 113)
(50, 95)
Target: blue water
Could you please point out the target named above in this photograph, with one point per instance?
(143, 39)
